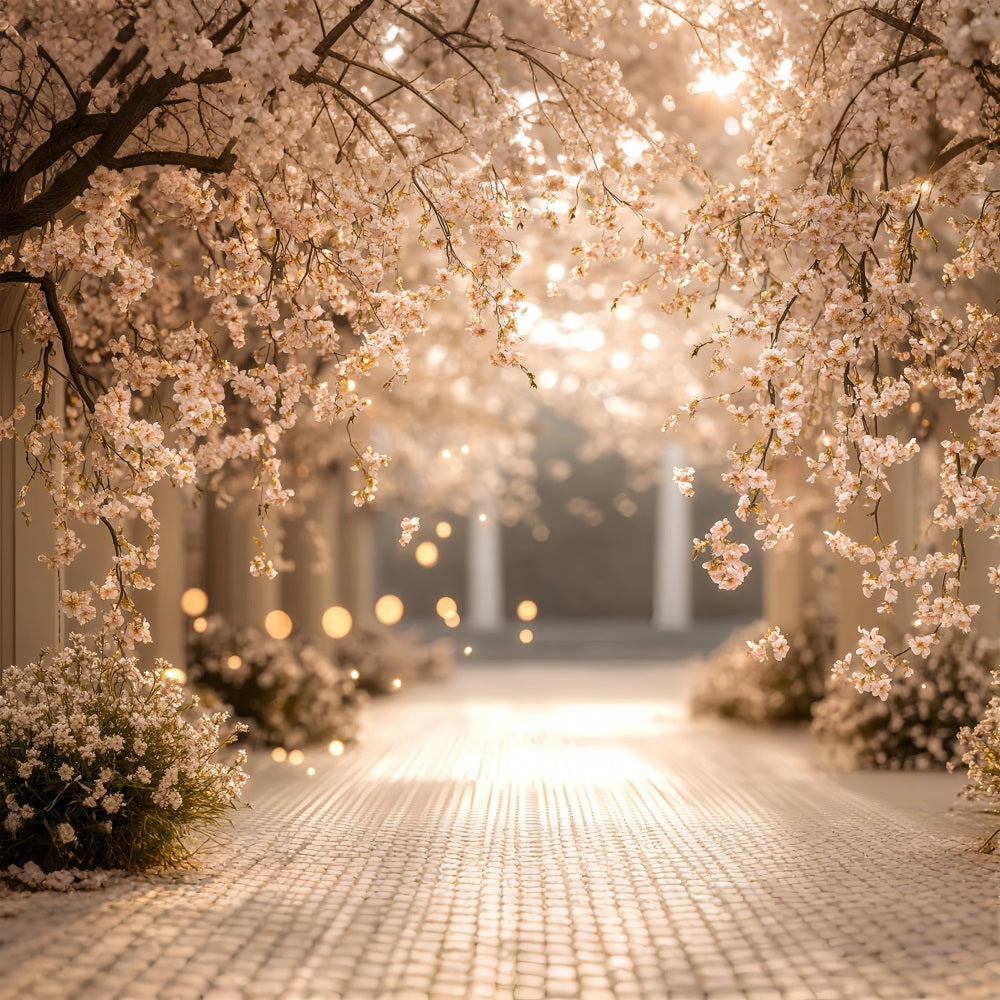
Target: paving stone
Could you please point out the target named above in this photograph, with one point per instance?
(546, 833)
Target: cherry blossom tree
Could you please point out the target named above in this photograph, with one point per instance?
(255, 206)
(862, 223)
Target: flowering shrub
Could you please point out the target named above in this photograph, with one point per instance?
(918, 726)
(734, 685)
(289, 692)
(99, 768)
(982, 756)
(385, 660)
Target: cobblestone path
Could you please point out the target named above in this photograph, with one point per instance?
(543, 833)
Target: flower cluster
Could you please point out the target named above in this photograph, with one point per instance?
(385, 661)
(100, 767)
(739, 681)
(918, 727)
(981, 755)
(287, 692)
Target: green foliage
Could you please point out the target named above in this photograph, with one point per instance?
(733, 685)
(102, 767)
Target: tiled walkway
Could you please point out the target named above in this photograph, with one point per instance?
(546, 832)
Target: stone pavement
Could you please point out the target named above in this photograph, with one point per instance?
(541, 831)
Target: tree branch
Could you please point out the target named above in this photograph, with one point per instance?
(222, 163)
(48, 286)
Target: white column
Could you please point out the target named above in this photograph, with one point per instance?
(485, 569)
(311, 544)
(240, 598)
(357, 563)
(29, 592)
(673, 541)
(162, 604)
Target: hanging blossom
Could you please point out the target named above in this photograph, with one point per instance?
(848, 241)
(275, 200)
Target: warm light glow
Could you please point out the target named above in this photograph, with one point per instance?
(442, 529)
(311, 771)
(453, 621)
(446, 607)
(234, 662)
(194, 602)
(296, 757)
(278, 624)
(279, 754)
(337, 622)
(527, 611)
(465, 449)
(397, 683)
(467, 650)
(721, 86)
(388, 609)
(199, 624)
(482, 518)
(174, 674)
(634, 147)
(526, 635)
(426, 554)
(336, 748)
(446, 452)
(354, 675)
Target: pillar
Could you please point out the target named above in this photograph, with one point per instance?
(29, 591)
(241, 599)
(673, 545)
(485, 568)
(162, 604)
(311, 547)
(357, 563)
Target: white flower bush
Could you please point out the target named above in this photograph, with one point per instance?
(385, 660)
(288, 692)
(101, 765)
(982, 756)
(735, 684)
(919, 726)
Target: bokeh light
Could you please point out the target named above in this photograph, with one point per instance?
(442, 529)
(194, 602)
(453, 621)
(199, 624)
(426, 554)
(527, 611)
(337, 622)
(174, 674)
(467, 651)
(526, 635)
(446, 607)
(234, 662)
(336, 748)
(397, 683)
(388, 609)
(278, 624)
(296, 757)
(279, 754)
